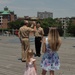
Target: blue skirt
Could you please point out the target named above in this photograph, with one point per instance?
(50, 61)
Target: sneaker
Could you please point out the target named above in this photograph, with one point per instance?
(23, 60)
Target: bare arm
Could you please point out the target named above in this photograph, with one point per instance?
(33, 28)
(35, 66)
(44, 45)
(59, 43)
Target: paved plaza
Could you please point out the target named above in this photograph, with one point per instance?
(10, 56)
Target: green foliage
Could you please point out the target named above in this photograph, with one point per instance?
(15, 24)
(50, 22)
(71, 28)
(45, 23)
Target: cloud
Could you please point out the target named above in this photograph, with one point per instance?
(5, 1)
(19, 8)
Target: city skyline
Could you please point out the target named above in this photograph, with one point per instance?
(59, 8)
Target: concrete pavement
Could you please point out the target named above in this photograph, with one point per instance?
(10, 57)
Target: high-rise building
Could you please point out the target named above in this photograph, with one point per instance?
(42, 15)
(6, 16)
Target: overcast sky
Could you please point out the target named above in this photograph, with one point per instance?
(60, 8)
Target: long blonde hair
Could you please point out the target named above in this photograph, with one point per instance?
(29, 55)
(54, 39)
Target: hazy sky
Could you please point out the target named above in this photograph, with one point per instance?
(60, 8)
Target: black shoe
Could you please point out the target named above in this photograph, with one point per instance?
(39, 55)
(36, 55)
(23, 60)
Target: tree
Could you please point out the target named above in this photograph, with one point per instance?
(15, 24)
(50, 22)
(71, 28)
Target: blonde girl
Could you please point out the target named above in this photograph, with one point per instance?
(30, 64)
(50, 61)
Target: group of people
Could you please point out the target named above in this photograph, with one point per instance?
(50, 45)
(24, 33)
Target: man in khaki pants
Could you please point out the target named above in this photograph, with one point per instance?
(23, 34)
